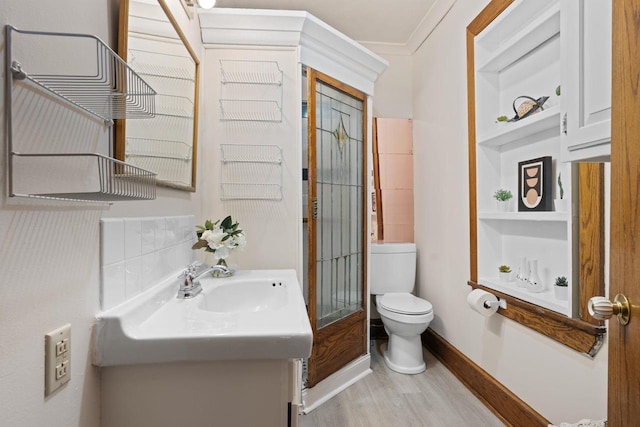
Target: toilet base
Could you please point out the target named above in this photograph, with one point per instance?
(404, 355)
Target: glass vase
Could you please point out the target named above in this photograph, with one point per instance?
(535, 284)
(522, 275)
(221, 271)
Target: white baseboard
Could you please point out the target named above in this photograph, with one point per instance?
(334, 384)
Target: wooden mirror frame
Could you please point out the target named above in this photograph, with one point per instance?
(583, 334)
(120, 132)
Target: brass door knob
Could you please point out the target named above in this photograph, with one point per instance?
(602, 309)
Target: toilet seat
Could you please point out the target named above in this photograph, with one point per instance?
(404, 303)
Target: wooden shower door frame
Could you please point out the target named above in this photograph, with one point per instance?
(344, 340)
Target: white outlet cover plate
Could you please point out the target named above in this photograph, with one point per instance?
(59, 338)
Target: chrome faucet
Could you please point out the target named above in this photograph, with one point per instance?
(189, 284)
(190, 281)
(219, 270)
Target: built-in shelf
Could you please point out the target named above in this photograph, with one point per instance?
(544, 299)
(520, 131)
(530, 36)
(525, 216)
(518, 56)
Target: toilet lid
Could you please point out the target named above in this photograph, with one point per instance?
(405, 303)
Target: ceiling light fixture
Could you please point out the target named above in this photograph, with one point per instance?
(206, 4)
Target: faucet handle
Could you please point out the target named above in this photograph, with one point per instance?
(189, 270)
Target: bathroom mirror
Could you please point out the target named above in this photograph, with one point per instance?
(152, 43)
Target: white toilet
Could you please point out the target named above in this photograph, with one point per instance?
(405, 316)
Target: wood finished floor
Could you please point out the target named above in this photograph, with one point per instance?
(434, 398)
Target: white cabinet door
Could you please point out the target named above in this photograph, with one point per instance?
(586, 79)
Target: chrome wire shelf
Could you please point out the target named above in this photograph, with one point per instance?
(251, 91)
(174, 106)
(116, 181)
(251, 153)
(108, 89)
(250, 110)
(251, 172)
(250, 72)
(158, 148)
(89, 77)
(155, 64)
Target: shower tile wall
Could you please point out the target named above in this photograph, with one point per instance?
(137, 253)
(395, 154)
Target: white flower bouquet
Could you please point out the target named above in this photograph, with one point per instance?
(220, 237)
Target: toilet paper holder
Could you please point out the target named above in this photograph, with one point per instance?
(500, 303)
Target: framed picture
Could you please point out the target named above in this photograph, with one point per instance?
(535, 185)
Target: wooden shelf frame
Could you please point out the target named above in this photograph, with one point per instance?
(581, 334)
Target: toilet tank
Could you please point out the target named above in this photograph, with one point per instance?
(393, 267)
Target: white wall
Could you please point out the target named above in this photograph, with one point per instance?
(272, 227)
(49, 252)
(559, 383)
(393, 91)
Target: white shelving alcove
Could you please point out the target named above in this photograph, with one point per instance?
(518, 54)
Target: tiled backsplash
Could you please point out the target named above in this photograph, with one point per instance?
(137, 253)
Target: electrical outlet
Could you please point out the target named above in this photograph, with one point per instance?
(57, 355)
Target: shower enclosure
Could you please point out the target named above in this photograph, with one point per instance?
(336, 225)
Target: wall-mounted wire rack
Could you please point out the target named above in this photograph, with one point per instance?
(250, 110)
(155, 64)
(109, 179)
(105, 89)
(250, 72)
(158, 148)
(250, 91)
(174, 106)
(251, 172)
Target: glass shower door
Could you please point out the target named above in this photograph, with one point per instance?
(337, 224)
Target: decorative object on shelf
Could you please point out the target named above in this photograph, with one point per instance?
(534, 282)
(561, 288)
(502, 120)
(503, 198)
(534, 185)
(528, 107)
(505, 273)
(522, 276)
(220, 240)
(558, 90)
(560, 204)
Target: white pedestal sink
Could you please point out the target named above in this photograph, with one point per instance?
(255, 314)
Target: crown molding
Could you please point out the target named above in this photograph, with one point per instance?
(429, 23)
(322, 47)
(399, 49)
